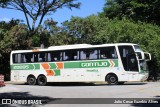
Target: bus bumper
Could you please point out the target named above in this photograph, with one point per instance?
(144, 77)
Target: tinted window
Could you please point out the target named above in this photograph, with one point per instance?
(108, 53)
(29, 57)
(70, 55)
(66, 55)
(128, 58)
(86, 54)
(55, 56)
(16, 58)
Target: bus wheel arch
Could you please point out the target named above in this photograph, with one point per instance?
(41, 80)
(31, 80)
(111, 79)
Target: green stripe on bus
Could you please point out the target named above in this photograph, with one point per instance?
(57, 72)
(80, 64)
(91, 64)
(52, 65)
(25, 67)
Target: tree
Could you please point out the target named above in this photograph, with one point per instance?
(35, 9)
(6, 26)
(100, 30)
(82, 29)
(138, 10)
(14, 37)
(58, 35)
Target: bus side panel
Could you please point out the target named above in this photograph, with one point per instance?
(77, 71)
(21, 75)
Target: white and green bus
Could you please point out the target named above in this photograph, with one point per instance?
(112, 63)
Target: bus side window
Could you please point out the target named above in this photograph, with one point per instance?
(42, 57)
(23, 59)
(35, 57)
(28, 58)
(66, 57)
(55, 56)
(52, 56)
(82, 55)
(103, 56)
(75, 57)
(103, 53)
(16, 58)
(108, 53)
(49, 57)
(70, 55)
(93, 54)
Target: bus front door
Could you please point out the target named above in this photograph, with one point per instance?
(132, 67)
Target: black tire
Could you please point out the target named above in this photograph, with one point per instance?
(112, 79)
(31, 80)
(41, 80)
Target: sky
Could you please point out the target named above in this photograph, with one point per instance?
(88, 7)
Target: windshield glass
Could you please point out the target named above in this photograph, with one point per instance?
(143, 66)
(137, 48)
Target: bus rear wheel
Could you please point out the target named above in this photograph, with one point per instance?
(112, 79)
(41, 80)
(31, 80)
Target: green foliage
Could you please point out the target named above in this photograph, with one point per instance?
(80, 28)
(13, 39)
(3, 2)
(62, 38)
(147, 35)
(42, 36)
(58, 35)
(16, 38)
(100, 30)
(143, 10)
(4, 27)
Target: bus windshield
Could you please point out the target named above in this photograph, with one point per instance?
(143, 66)
(137, 48)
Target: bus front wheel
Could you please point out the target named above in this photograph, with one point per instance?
(31, 80)
(42, 80)
(112, 79)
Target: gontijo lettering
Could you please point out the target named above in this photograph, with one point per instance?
(94, 64)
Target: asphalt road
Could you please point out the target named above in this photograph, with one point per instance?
(61, 94)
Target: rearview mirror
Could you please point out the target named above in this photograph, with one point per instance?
(144, 56)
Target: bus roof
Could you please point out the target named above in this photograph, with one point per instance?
(75, 46)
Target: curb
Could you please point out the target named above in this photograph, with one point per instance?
(12, 82)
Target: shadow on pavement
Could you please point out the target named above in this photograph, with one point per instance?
(127, 84)
(72, 84)
(23, 99)
(135, 83)
(75, 84)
